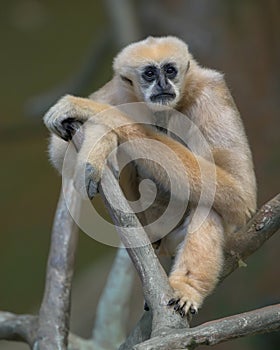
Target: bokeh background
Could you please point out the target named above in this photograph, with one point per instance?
(49, 48)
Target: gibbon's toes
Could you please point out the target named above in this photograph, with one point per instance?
(187, 299)
(182, 307)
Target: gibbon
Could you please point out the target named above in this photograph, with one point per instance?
(161, 73)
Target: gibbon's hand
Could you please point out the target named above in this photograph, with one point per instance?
(99, 143)
(64, 118)
(69, 113)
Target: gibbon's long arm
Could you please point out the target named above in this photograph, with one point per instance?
(229, 200)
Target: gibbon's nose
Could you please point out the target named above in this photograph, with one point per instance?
(163, 85)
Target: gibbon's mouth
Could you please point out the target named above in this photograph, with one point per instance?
(163, 98)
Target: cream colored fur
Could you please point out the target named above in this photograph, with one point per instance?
(202, 96)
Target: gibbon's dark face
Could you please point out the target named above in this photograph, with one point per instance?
(158, 84)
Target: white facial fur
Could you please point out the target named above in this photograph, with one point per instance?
(145, 90)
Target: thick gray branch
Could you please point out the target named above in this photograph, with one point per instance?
(262, 320)
(156, 288)
(55, 307)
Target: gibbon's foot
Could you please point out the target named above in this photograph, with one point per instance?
(186, 299)
(181, 307)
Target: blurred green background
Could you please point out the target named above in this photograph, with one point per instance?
(43, 44)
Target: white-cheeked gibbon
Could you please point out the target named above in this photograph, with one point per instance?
(161, 73)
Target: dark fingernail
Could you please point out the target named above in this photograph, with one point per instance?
(193, 311)
(171, 302)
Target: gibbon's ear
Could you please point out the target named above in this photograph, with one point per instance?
(125, 79)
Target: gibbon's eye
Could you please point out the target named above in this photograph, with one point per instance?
(170, 71)
(149, 74)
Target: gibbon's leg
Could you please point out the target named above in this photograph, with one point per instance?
(198, 262)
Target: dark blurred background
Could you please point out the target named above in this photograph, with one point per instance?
(49, 48)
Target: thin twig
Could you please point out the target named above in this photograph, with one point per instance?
(55, 308)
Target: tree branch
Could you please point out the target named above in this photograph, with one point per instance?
(113, 306)
(18, 327)
(55, 308)
(140, 333)
(154, 280)
(156, 288)
(242, 244)
(262, 320)
(251, 237)
(23, 328)
(50, 330)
